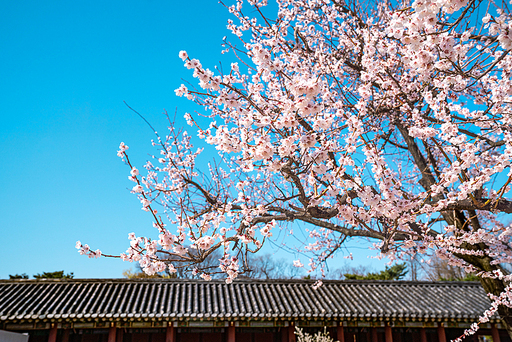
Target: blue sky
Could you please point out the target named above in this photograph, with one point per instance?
(65, 70)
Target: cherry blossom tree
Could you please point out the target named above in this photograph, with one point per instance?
(390, 121)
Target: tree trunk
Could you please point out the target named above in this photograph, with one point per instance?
(496, 286)
(490, 285)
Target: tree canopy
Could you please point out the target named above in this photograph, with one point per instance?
(395, 272)
(384, 120)
(44, 275)
(18, 276)
(54, 275)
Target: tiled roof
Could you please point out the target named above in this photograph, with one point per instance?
(157, 299)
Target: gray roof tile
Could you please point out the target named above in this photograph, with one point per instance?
(75, 298)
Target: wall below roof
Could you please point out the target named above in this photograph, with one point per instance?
(9, 336)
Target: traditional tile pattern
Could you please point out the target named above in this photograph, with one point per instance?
(77, 299)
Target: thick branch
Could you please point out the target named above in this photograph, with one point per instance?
(428, 178)
(501, 205)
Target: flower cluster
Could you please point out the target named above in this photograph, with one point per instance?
(85, 250)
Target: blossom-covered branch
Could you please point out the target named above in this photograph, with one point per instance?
(386, 121)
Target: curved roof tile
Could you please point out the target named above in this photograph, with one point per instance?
(243, 298)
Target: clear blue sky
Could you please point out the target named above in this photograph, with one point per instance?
(65, 69)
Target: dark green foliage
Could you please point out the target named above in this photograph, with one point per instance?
(18, 276)
(395, 272)
(54, 275)
(467, 277)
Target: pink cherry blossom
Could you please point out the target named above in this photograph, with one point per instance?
(390, 123)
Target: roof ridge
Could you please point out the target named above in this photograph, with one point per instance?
(252, 281)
